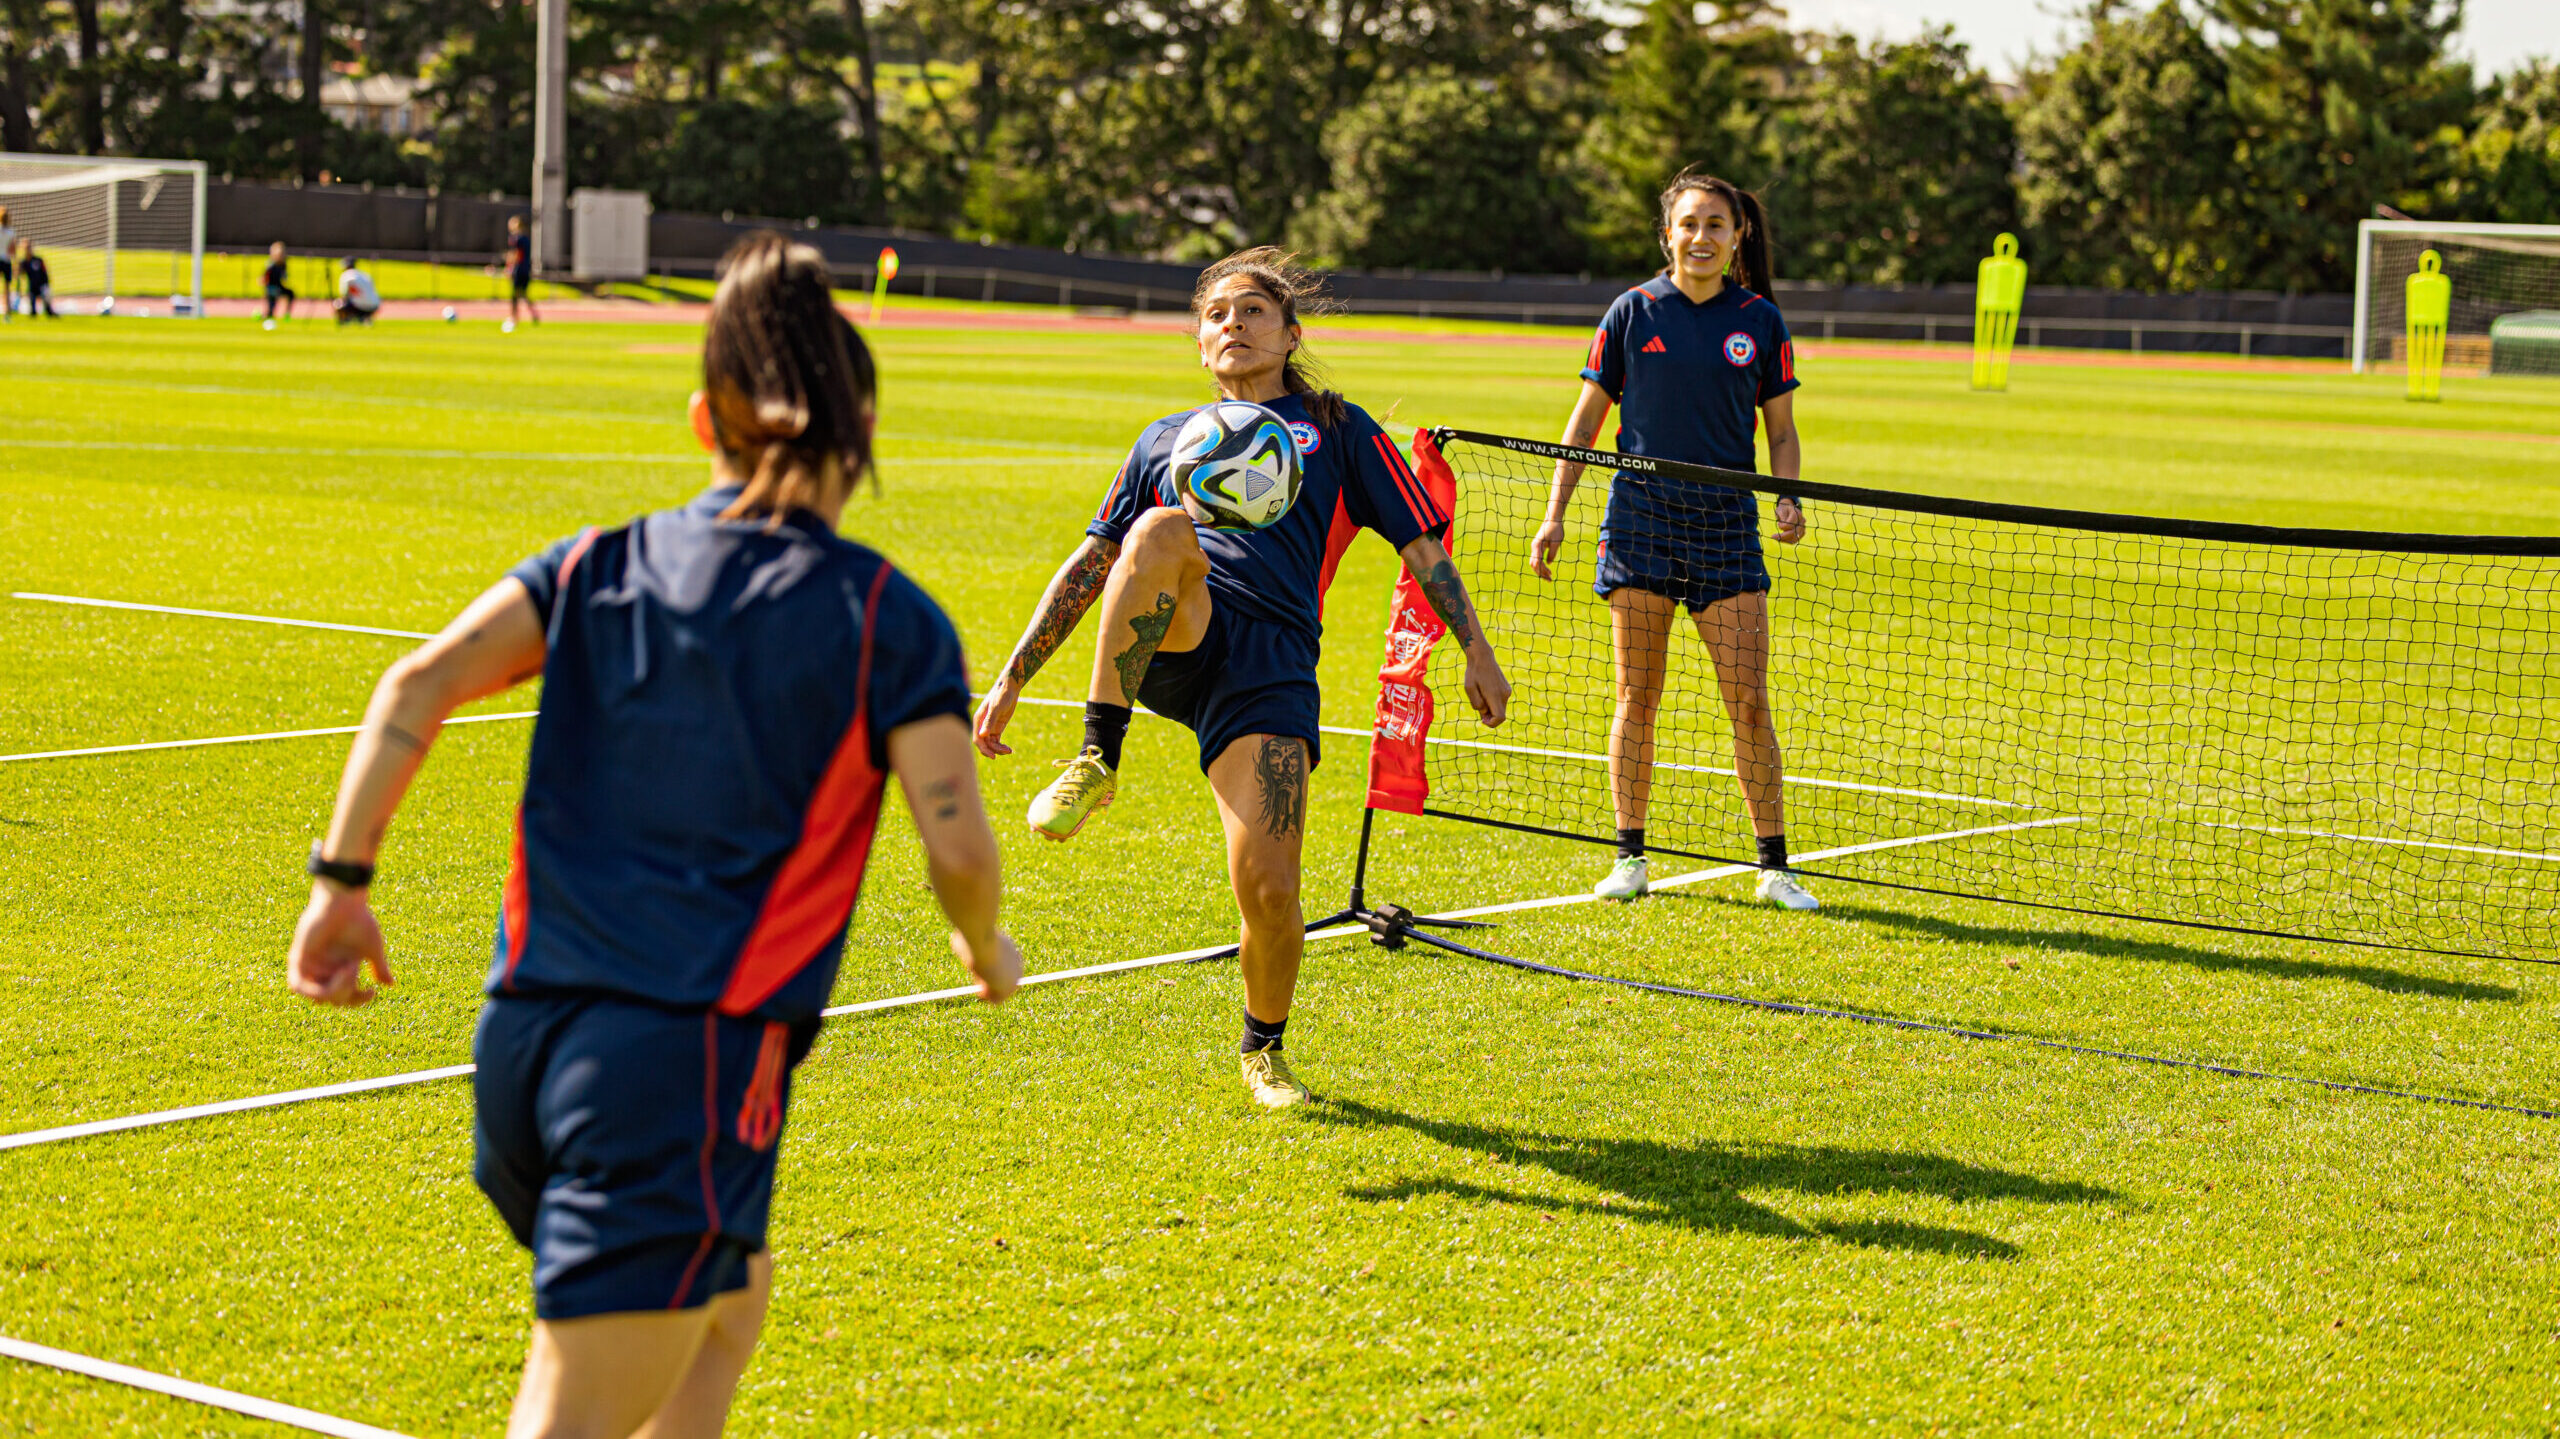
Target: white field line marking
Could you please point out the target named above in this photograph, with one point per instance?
(240, 738)
(937, 996)
(564, 457)
(2385, 839)
(227, 1106)
(205, 1394)
(218, 615)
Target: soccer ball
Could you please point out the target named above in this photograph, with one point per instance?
(107, 306)
(268, 325)
(1236, 466)
(506, 327)
(449, 316)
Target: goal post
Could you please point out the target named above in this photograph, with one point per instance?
(2496, 270)
(112, 225)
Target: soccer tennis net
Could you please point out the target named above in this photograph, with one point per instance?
(2323, 734)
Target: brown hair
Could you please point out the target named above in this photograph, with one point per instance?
(1295, 289)
(789, 380)
(1752, 254)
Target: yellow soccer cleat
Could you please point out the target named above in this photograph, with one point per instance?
(1268, 1080)
(1074, 797)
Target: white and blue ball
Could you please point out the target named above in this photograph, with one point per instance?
(1236, 466)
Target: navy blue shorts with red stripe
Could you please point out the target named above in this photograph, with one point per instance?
(631, 1148)
(1246, 676)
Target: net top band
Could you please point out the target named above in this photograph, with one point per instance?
(2515, 546)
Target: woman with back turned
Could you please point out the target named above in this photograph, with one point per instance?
(1689, 355)
(727, 687)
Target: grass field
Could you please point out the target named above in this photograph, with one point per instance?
(1524, 1205)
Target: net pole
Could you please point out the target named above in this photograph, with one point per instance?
(195, 242)
(2364, 297)
(109, 189)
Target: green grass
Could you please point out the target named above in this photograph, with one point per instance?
(1525, 1206)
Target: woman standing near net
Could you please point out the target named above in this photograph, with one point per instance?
(727, 688)
(1689, 356)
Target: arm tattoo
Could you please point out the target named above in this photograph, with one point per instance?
(1133, 661)
(1281, 770)
(1060, 611)
(1448, 597)
(944, 796)
(396, 735)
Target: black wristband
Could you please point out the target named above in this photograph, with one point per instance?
(353, 876)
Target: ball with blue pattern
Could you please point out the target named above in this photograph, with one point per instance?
(1236, 466)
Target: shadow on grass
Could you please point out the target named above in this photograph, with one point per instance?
(1700, 1186)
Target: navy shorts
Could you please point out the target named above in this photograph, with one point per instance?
(630, 1148)
(521, 281)
(1694, 577)
(1247, 676)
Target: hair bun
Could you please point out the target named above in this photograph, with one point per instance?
(782, 419)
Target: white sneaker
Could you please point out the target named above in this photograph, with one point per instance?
(1626, 879)
(506, 327)
(1780, 888)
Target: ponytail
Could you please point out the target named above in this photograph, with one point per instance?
(1751, 264)
(1284, 282)
(789, 380)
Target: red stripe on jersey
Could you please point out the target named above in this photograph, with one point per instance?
(1787, 360)
(1599, 347)
(1337, 538)
(1417, 500)
(812, 896)
(1747, 304)
(569, 562)
(515, 905)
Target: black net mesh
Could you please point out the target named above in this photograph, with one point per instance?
(2325, 734)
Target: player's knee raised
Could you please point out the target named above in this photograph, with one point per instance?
(1163, 536)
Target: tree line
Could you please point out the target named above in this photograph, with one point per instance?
(2194, 144)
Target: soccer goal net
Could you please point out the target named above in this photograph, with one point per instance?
(2506, 294)
(112, 226)
(2335, 735)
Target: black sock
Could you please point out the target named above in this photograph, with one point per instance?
(1104, 727)
(1631, 843)
(1258, 1035)
(1773, 851)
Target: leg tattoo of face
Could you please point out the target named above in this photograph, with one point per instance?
(1281, 769)
(1133, 661)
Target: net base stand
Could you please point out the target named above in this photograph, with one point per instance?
(1389, 925)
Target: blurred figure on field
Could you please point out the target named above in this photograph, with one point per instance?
(276, 287)
(519, 263)
(8, 267)
(34, 280)
(357, 298)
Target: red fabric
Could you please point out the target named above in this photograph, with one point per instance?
(760, 1113)
(1337, 538)
(1399, 780)
(710, 1141)
(813, 895)
(515, 903)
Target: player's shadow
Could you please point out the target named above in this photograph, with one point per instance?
(1702, 1186)
(2105, 946)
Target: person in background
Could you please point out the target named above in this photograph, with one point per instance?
(8, 267)
(728, 689)
(519, 264)
(34, 280)
(276, 287)
(357, 298)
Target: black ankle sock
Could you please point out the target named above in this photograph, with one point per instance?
(1773, 851)
(1258, 1035)
(1631, 843)
(1105, 726)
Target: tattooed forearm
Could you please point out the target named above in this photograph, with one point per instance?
(1061, 609)
(1281, 770)
(396, 735)
(1448, 596)
(1133, 661)
(943, 797)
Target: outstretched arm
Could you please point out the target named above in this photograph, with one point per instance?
(1071, 592)
(1487, 688)
(1786, 462)
(940, 777)
(1581, 430)
(492, 645)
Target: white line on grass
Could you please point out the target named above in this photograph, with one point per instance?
(240, 738)
(2386, 839)
(256, 1408)
(563, 457)
(938, 996)
(219, 615)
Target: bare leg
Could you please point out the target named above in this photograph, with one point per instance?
(1737, 634)
(1640, 640)
(700, 1403)
(1261, 784)
(1157, 598)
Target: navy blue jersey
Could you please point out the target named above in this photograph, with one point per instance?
(519, 255)
(710, 758)
(1354, 479)
(275, 274)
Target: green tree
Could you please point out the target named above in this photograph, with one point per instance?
(2341, 105)
(1899, 170)
(1435, 172)
(1694, 85)
(2126, 142)
(2511, 161)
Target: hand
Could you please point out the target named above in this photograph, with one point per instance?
(336, 942)
(994, 713)
(996, 965)
(1790, 522)
(1543, 547)
(1488, 689)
